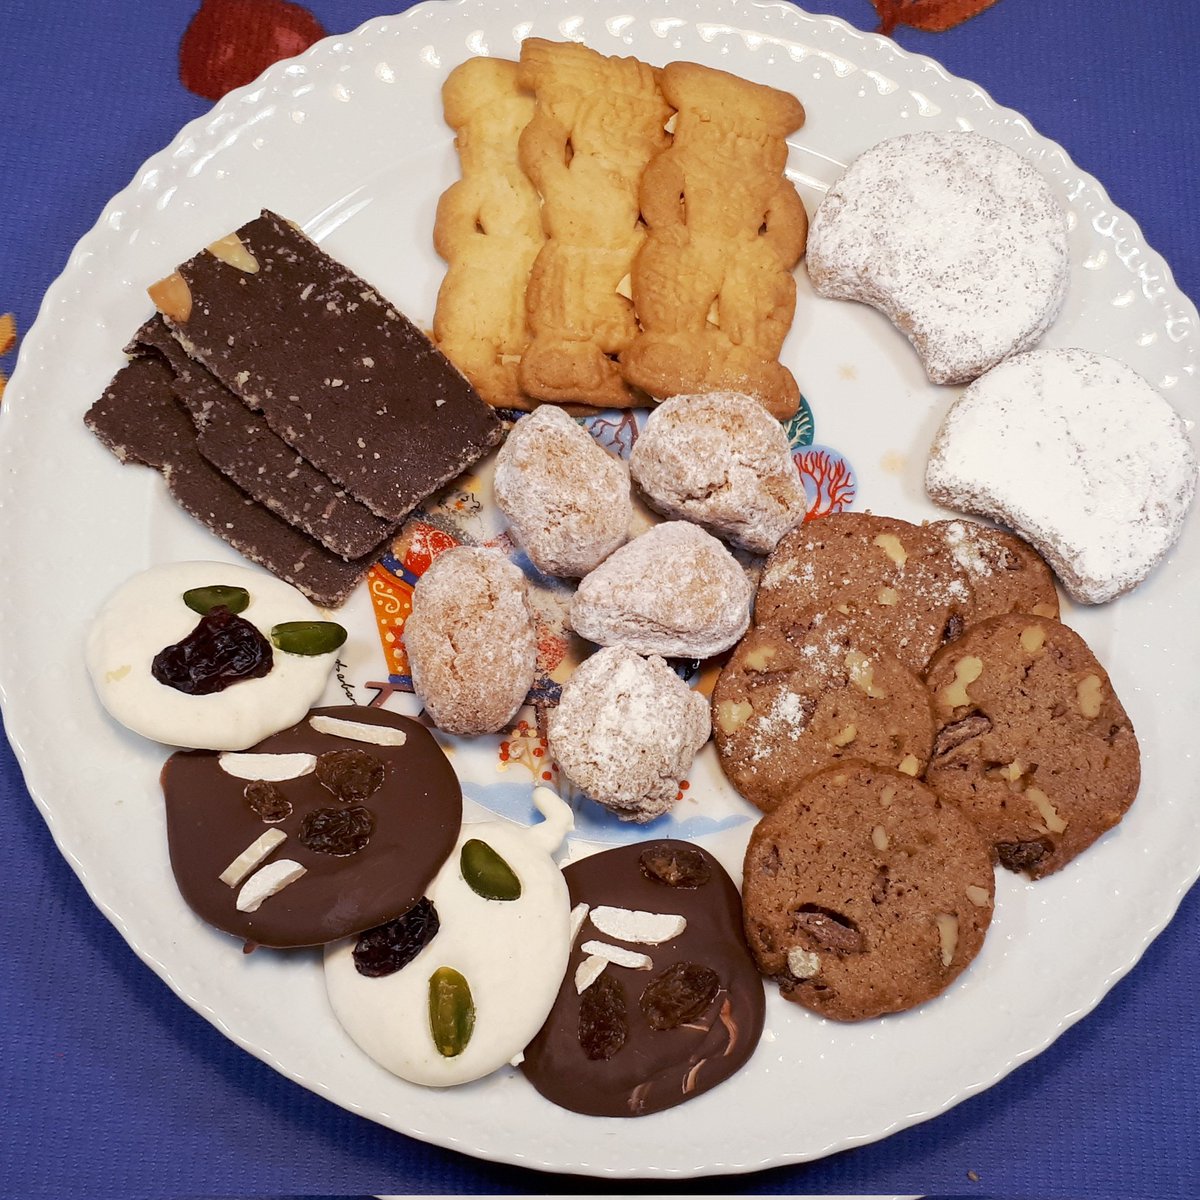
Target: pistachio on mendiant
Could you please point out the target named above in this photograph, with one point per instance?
(486, 873)
(308, 637)
(203, 600)
(451, 1011)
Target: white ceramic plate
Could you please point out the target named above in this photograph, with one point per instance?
(349, 141)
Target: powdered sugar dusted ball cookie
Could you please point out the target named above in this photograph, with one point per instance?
(674, 590)
(470, 640)
(721, 460)
(626, 731)
(955, 238)
(567, 500)
(1078, 454)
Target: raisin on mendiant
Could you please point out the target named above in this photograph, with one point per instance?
(680, 994)
(676, 866)
(267, 801)
(350, 774)
(389, 948)
(222, 650)
(603, 1020)
(338, 831)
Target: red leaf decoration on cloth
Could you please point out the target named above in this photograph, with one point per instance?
(933, 16)
(231, 42)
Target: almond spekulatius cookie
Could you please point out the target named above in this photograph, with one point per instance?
(1006, 574)
(864, 893)
(470, 640)
(785, 708)
(955, 238)
(1032, 741)
(721, 460)
(674, 590)
(597, 122)
(713, 283)
(488, 229)
(1078, 454)
(567, 500)
(894, 584)
(626, 730)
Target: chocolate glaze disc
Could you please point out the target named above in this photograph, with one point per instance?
(417, 814)
(655, 1068)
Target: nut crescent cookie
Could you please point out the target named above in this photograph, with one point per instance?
(489, 231)
(567, 500)
(721, 460)
(713, 283)
(955, 238)
(470, 640)
(784, 709)
(674, 590)
(597, 122)
(1032, 742)
(895, 584)
(865, 893)
(626, 731)
(1079, 455)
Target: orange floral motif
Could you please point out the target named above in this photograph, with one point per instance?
(391, 598)
(8, 340)
(933, 16)
(526, 746)
(830, 477)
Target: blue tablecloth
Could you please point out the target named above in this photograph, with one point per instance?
(109, 1085)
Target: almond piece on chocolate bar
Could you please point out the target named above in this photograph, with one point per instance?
(341, 376)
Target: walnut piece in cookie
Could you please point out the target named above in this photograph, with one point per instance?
(721, 460)
(470, 640)
(626, 731)
(674, 590)
(566, 498)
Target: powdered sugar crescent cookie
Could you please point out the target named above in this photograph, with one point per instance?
(488, 229)
(674, 590)
(713, 283)
(470, 640)
(721, 460)
(955, 238)
(626, 731)
(864, 893)
(784, 708)
(457, 986)
(1079, 455)
(1032, 742)
(894, 584)
(566, 498)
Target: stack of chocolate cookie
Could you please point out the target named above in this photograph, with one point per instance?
(289, 407)
(907, 709)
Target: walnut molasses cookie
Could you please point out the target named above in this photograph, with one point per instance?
(896, 585)
(955, 238)
(1006, 574)
(865, 893)
(784, 708)
(1032, 741)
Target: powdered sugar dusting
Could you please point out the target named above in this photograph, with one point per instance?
(955, 237)
(1078, 454)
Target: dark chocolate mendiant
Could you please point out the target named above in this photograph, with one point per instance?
(366, 859)
(636, 1041)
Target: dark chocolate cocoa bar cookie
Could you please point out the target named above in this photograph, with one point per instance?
(1032, 741)
(784, 708)
(896, 585)
(865, 893)
(240, 444)
(661, 1001)
(140, 419)
(1006, 574)
(346, 380)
